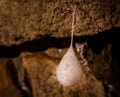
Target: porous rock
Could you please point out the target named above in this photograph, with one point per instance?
(26, 20)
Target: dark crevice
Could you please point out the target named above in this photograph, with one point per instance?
(105, 58)
(96, 42)
(12, 72)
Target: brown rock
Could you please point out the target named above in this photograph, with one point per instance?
(26, 20)
(7, 86)
(41, 69)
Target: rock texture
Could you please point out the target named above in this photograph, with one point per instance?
(26, 20)
(38, 31)
(35, 71)
(7, 86)
(41, 69)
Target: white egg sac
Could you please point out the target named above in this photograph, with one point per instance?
(69, 70)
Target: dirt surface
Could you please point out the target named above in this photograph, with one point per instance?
(26, 20)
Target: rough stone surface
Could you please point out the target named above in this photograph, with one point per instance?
(41, 69)
(47, 25)
(26, 20)
(36, 71)
(7, 85)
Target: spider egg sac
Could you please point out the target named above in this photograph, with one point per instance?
(69, 70)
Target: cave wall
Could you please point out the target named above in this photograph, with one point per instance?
(26, 20)
(34, 32)
(35, 69)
